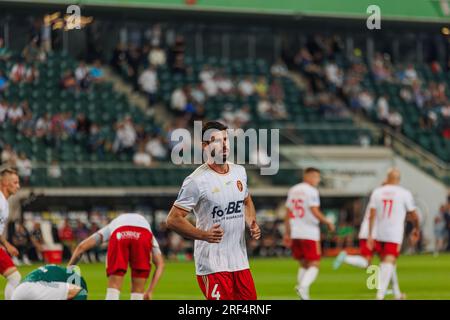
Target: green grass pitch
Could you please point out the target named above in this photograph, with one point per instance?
(421, 277)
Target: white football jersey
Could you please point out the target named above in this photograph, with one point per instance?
(364, 228)
(391, 203)
(4, 212)
(128, 219)
(217, 198)
(304, 225)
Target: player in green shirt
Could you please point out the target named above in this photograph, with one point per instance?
(52, 282)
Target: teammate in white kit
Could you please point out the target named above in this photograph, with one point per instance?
(302, 233)
(216, 192)
(130, 241)
(9, 185)
(389, 206)
(364, 259)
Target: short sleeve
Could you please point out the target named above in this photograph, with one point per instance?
(246, 184)
(289, 199)
(188, 196)
(155, 246)
(314, 198)
(409, 202)
(372, 204)
(105, 232)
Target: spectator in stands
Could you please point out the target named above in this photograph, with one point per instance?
(3, 82)
(156, 56)
(279, 111)
(3, 110)
(155, 147)
(264, 109)
(148, 81)
(176, 60)
(43, 125)
(83, 124)
(142, 158)
(242, 116)
(435, 67)
(333, 74)
(383, 108)
(198, 95)
(381, 67)
(8, 155)
(178, 100)
(20, 239)
(81, 232)
(395, 120)
(15, 113)
(410, 74)
(54, 170)
(68, 81)
(224, 84)
(96, 71)
(37, 241)
(82, 75)
(125, 137)
(276, 90)
(32, 74)
(18, 72)
(210, 86)
(246, 87)
(67, 238)
(32, 52)
(96, 142)
(279, 69)
(5, 53)
(261, 87)
(24, 168)
(207, 73)
(365, 100)
(27, 125)
(69, 124)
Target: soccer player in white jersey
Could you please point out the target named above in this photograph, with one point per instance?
(130, 241)
(364, 259)
(302, 232)
(389, 205)
(9, 185)
(216, 192)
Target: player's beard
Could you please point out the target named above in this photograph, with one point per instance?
(224, 156)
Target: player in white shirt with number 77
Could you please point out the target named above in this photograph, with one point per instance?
(389, 206)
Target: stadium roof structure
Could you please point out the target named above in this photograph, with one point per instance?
(431, 11)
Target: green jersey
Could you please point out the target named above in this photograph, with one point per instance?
(54, 273)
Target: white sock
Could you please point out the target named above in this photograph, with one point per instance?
(13, 280)
(395, 284)
(300, 274)
(357, 261)
(137, 296)
(386, 270)
(112, 294)
(309, 276)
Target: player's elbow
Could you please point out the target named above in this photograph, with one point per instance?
(172, 220)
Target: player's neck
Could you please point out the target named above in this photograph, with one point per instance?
(5, 193)
(219, 168)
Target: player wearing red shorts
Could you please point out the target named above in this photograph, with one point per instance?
(130, 241)
(389, 206)
(216, 192)
(9, 185)
(302, 233)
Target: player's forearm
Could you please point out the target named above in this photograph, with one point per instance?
(250, 211)
(287, 224)
(84, 246)
(3, 240)
(184, 228)
(159, 269)
(371, 220)
(319, 215)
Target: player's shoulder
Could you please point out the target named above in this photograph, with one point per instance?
(198, 173)
(240, 169)
(302, 187)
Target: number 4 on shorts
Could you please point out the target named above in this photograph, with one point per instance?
(215, 293)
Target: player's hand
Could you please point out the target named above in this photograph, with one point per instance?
(12, 250)
(287, 241)
(215, 234)
(415, 236)
(148, 295)
(255, 231)
(331, 227)
(370, 243)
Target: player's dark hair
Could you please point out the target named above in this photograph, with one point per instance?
(212, 125)
(7, 170)
(310, 170)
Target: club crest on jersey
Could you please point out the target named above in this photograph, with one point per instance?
(239, 185)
